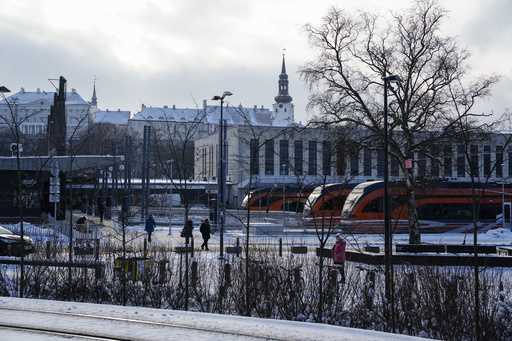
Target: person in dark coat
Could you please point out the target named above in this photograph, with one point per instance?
(150, 226)
(187, 231)
(205, 232)
(101, 208)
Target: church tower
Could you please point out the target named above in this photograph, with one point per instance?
(93, 107)
(94, 99)
(283, 106)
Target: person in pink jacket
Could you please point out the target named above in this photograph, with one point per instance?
(338, 255)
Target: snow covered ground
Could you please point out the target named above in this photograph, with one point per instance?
(135, 323)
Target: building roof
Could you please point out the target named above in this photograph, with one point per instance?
(43, 98)
(112, 116)
(208, 114)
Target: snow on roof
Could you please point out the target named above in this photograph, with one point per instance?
(43, 98)
(209, 114)
(112, 116)
(169, 114)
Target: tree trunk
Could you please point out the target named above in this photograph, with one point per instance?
(414, 226)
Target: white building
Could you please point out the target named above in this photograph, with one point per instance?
(116, 117)
(208, 116)
(32, 108)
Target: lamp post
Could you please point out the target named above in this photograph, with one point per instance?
(221, 176)
(388, 236)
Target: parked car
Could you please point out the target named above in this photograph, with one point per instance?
(12, 245)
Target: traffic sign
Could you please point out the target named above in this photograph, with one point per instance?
(54, 197)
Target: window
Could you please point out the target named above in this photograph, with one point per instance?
(474, 160)
(499, 161)
(340, 159)
(284, 158)
(269, 157)
(254, 157)
(447, 162)
(422, 164)
(434, 163)
(510, 162)
(395, 166)
(380, 162)
(312, 161)
(326, 158)
(487, 161)
(461, 161)
(367, 162)
(298, 157)
(354, 163)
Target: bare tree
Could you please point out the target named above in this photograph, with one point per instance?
(355, 53)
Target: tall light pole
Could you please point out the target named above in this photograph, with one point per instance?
(388, 235)
(221, 174)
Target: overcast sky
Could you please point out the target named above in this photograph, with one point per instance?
(183, 51)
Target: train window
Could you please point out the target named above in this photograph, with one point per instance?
(456, 211)
(376, 205)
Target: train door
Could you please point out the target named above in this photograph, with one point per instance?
(507, 208)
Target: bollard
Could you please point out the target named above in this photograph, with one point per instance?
(96, 249)
(280, 247)
(238, 246)
(48, 249)
(181, 269)
(145, 247)
(297, 277)
(162, 271)
(192, 247)
(194, 273)
(227, 274)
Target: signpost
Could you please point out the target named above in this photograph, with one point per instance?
(54, 193)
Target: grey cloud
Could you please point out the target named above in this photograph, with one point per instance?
(27, 62)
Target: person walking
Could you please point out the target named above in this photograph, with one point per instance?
(150, 226)
(101, 208)
(187, 231)
(338, 255)
(205, 233)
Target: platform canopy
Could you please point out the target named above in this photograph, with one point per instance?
(63, 163)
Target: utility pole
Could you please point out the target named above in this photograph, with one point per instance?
(145, 172)
(221, 175)
(388, 236)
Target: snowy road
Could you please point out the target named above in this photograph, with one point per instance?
(135, 323)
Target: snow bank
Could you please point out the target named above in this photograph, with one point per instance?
(246, 327)
(37, 233)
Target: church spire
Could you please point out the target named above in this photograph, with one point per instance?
(282, 95)
(94, 99)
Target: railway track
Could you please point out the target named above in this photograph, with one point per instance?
(120, 328)
(53, 334)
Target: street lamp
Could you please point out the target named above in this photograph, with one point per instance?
(388, 236)
(221, 176)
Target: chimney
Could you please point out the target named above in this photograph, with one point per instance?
(38, 90)
(22, 90)
(143, 107)
(73, 90)
(118, 109)
(204, 104)
(255, 107)
(165, 107)
(173, 107)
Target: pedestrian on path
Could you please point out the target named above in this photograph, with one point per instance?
(338, 255)
(187, 231)
(205, 233)
(150, 226)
